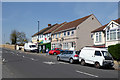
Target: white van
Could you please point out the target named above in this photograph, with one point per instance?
(30, 47)
(97, 56)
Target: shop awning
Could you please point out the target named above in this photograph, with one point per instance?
(44, 43)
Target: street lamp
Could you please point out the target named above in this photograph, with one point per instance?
(38, 37)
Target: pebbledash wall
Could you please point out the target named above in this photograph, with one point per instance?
(81, 36)
(83, 32)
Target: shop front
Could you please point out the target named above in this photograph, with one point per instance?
(44, 46)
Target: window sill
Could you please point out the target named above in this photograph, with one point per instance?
(98, 41)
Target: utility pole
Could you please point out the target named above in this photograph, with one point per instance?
(38, 37)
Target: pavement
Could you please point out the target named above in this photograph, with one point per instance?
(18, 64)
(116, 65)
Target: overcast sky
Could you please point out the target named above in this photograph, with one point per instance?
(23, 16)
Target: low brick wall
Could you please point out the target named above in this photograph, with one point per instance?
(8, 46)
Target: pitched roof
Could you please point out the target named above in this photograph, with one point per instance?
(43, 30)
(53, 28)
(117, 20)
(101, 28)
(72, 24)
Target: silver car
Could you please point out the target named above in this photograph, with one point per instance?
(68, 55)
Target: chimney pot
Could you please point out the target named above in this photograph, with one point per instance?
(49, 25)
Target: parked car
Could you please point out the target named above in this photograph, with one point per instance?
(55, 51)
(68, 55)
(97, 56)
(30, 47)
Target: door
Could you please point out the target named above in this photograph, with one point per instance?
(63, 56)
(98, 57)
(68, 55)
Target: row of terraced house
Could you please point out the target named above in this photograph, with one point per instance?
(74, 35)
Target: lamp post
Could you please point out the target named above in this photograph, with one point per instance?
(38, 37)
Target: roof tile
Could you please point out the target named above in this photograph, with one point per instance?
(101, 28)
(72, 24)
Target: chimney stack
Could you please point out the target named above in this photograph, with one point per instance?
(49, 25)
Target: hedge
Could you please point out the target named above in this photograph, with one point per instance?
(115, 51)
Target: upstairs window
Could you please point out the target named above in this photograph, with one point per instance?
(53, 35)
(107, 35)
(68, 33)
(56, 35)
(118, 33)
(59, 35)
(113, 34)
(64, 33)
(72, 33)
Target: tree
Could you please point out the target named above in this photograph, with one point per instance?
(18, 37)
(21, 38)
(13, 37)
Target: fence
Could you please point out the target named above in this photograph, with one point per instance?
(8, 46)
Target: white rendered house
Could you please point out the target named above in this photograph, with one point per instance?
(107, 35)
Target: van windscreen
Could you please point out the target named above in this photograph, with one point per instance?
(107, 55)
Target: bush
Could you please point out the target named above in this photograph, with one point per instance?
(115, 51)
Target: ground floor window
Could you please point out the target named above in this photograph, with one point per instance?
(53, 46)
(65, 45)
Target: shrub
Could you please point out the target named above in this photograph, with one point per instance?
(115, 51)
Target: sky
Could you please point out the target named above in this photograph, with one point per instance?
(24, 16)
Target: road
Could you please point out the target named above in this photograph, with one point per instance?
(17, 64)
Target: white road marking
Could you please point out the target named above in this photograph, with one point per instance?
(63, 63)
(86, 73)
(32, 59)
(3, 59)
(49, 62)
(23, 56)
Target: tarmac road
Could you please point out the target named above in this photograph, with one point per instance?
(18, 64)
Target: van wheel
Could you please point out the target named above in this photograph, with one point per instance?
(24, 50)
(71, 61)
(82, 62)
(97, 65)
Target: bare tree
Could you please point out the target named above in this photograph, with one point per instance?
(21, 38)
(18, 37)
